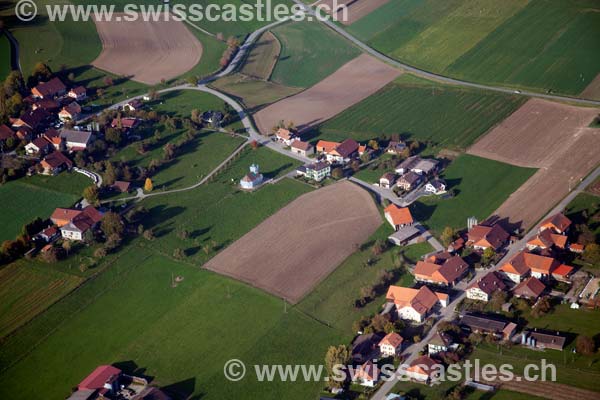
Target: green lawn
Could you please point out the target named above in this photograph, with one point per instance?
(5, 66)
(537, 44)
(26, 290)
(447, 116)
(584, 203)
(27, 198)
(218, 213)
(332, 301)
(480, 187)
(132, 316)
(253, 93)
(309, 53)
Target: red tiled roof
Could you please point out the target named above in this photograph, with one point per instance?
(399, 215)
(392, 339)
(422, 299)
(530, 287)
(99, 377)
(300, 145)
(482, 235)
(51, 88)
(6, 132)
(489, 283)
(557, 221)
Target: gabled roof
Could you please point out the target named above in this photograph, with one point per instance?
(34, 118)
(368, 371)
(388, 176)
(410, 177)
(392, 339)
(423, 365)
(72, 109)
(438, 184)
(285, 134)
(73, 136)
(346, 148)
(421, 300)
(99, 377)
(563, 270)
(488, 236)
(41, 142)
(50, 88)
(57, 159)
(399, 215)
(64, 214)
(300, 145)
(524, 262)
(546, 239)
(530, 287)
(481, 322)
(489, 283)
(441, 339)
(326, 146)
(79, 90)
(557, 221)
(6, 132)
(452, 269)
(126, 122)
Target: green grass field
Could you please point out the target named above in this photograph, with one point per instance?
(537, 44)
(27, 198)
(449, 117)
(309, 53)
(26, 290)
(218, 213)
(332, 301)
(480, 186)
(5, 67)
(261, 59)
(182, 336)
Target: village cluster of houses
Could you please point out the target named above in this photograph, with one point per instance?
(527, 274)
(107, 382)
(413, 172)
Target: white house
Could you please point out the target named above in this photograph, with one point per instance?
(415, 304)
(387, 180)
(367, 374)
(436, 186)
(483, 288)
(423, 369)
(391, 345)
(286, 136)
(317, 171)
(78, 93)
(440, 342)
(76, 140)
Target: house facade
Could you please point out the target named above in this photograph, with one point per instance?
(387, 180)
(483, 288)
(302, 148)
(391, 345)
(253, 179)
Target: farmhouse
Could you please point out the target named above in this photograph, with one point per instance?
(53, 88)
(440, 342)
(70, 112)
(55, 162)
(546, 240)
(76, 140)
(121, 186)
(323, 146)
(558, 223)
(343, 152)
(133, 105)
(48, 105)
(317, 171)
(522, 264)
(78, 93)
(124, 124)
(398, 217)
(387, 180)
(78, 222)
(531, 288)
(286, 136)
(252, 179)
(403, 235)
(367, 374)
(436, 186)
(395, 147)
(542, 339)
(482, 237)
(488, 325)
(418, 165)
(447, 274)
(35, 120)
(302, 148)
(409, 181)
(414, 304)
(562, 273)
(484, 287)
(38, 146)
(391, 345)
(423, 368)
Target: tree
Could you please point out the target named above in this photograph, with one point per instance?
(50, 256)
(112, 224)
(91, 194)
(148, 185)
(585, 345)
(336, 357)
(337, 173)
(447, 236)
(183, 234)
(378, 247)
(67, 245)
(591, 253)
(499, 297)
(542, 307)
(149, 234)
(195, 116)
(254, 145)
(192, 80)
(178, 254)
(113, 136)
(374, 144)
(488, 255)
(100, 252)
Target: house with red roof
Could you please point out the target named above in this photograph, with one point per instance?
(524, 264)
(558, 223)
(546, 240)
(423, 369)
(398, 217)
(338, 153)
(286, 136)
(302, 148)
(78, 93)
(51, 89)
(70, 112)
(55, 162)
(445, 273)
(415, 304)
(484, 287)
(391, 345)
(75, 223)
(367, 374)
(530, 288)
(482, 237)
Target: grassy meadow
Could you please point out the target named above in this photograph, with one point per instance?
(27, 198)
(309, 53)
(480, 186)
(445, 116)
(253, 93)
(543, 45)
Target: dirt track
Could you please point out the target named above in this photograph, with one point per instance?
(354, 81)
(293, 250)
(356, 8)
(552, 137)
(147, 51)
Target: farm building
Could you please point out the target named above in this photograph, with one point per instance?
(542, 339)
(482, 237)
(398, 217)
(531, 288)
(488, 325)
(415, 304)
(302, 148)
(317, 171)
(484, 287)
(418, 165)
(423, 369)
(447, 273)
(387, 180)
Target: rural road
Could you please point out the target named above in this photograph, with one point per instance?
(447, 313)
(441, 78)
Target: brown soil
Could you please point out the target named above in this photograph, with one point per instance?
(353, 82)
(292, 251)
(592, 91)
(356, 8)
(147, 52)
(552, 137)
